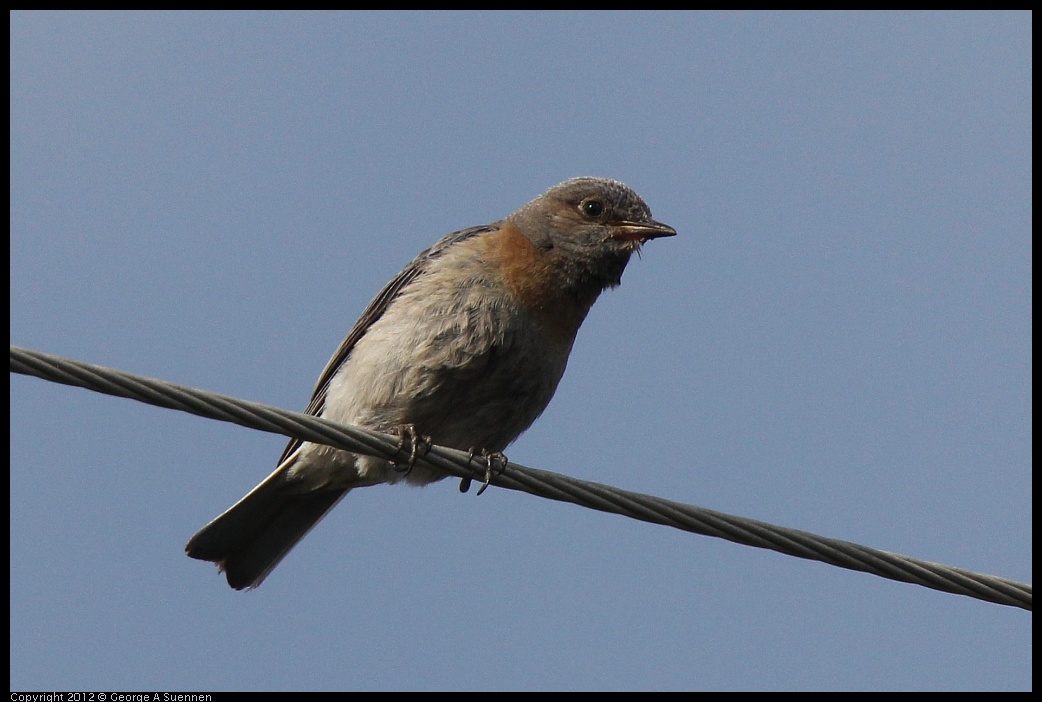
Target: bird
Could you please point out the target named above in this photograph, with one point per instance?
(466, 344)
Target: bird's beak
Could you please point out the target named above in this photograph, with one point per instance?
(641, 231)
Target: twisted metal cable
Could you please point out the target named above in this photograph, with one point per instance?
(542, 483)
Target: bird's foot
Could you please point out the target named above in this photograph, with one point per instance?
(411, 444)
(495, 464)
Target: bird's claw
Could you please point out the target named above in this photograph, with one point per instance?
(495, 463)
(410, 443)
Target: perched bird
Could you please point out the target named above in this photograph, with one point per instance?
(466, 345)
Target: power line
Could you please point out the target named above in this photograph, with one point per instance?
(605, 498)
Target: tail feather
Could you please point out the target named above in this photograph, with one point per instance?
(257, 532)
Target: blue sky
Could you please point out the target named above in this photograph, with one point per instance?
(838, 340)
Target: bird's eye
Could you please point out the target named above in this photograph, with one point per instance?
(592, 208)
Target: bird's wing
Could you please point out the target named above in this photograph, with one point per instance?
(373, 312)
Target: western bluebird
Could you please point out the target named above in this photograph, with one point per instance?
(466, 344)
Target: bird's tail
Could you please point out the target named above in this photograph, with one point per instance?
(254, 534)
